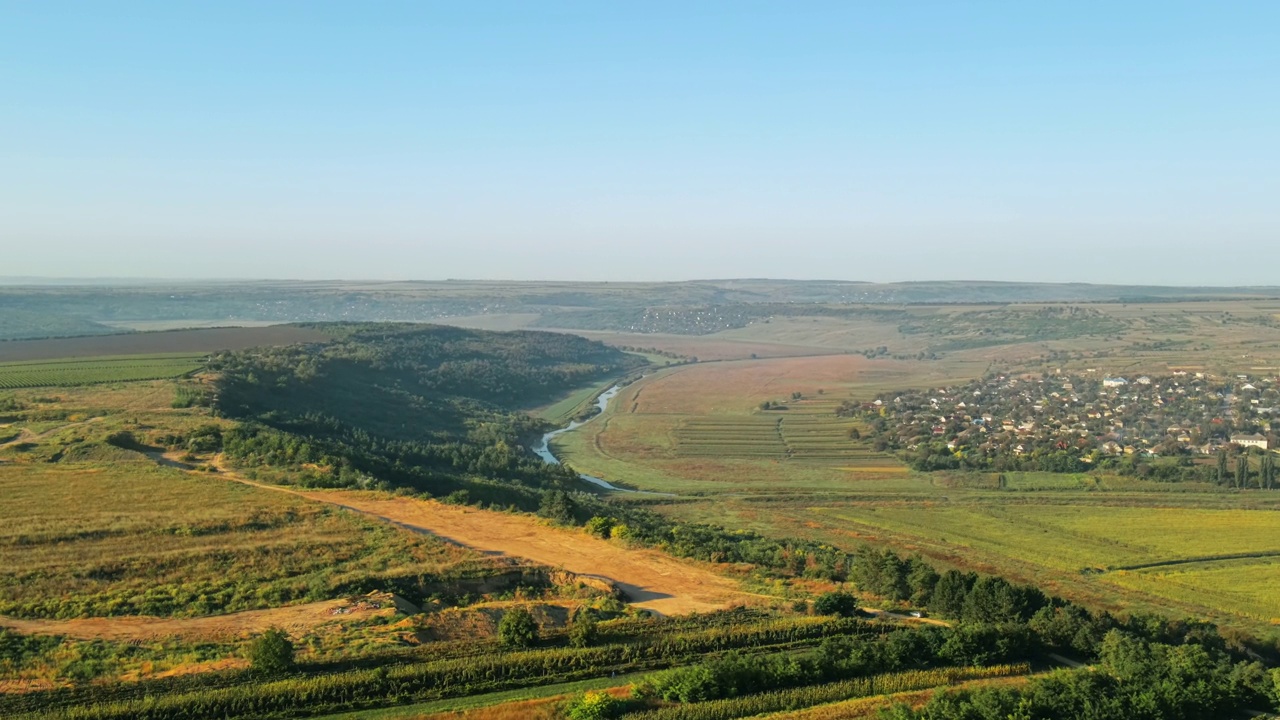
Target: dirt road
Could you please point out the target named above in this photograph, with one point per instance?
(651, 580)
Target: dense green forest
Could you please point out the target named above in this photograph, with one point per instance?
(431, 408)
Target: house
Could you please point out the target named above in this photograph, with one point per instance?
(1257, 441)
(1144, 380)
(1112, 382)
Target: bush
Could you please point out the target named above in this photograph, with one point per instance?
(124, 440)
(836, 603)
(517, 629)
(600, 526)
(584, 631)
(593, 706)
(272, 652)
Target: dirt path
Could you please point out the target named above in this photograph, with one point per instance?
(650, 579)
(294, 618)
(26, 436)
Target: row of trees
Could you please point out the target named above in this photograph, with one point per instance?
(1242, 476)
(1135, 679)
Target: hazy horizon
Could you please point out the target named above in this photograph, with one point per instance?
(1047, 142)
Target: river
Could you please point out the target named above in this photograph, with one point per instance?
(543, 448)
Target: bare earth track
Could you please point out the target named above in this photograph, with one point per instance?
(651, 580)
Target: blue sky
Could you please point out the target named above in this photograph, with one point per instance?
(1051, 141)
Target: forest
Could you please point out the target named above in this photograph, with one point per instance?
(429, 408)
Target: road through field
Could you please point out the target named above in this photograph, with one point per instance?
(650, 579)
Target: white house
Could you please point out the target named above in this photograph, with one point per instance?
(1257, 441)
(1114, 382)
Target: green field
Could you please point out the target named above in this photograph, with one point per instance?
(93, 371)
(575, 403)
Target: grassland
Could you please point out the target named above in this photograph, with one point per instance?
(99, 541)
(573, 404)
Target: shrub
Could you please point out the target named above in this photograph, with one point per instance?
(593, 706)
(600, 526)
(517, 629)
(836, 603)
(584, 631)
(272, 652)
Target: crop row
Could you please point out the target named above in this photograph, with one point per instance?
(797, 698)
(430, 680)
(14, 377)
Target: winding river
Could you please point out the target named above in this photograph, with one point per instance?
(543, 448)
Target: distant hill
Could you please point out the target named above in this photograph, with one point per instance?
(433, 408)
(48, 310)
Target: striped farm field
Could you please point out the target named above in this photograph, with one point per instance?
(812, 436)
(92, 371)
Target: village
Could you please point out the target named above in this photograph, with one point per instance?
(1074, 421)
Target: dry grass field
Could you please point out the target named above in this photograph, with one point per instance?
(94, 539)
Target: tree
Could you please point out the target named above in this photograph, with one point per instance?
(1242, 470)
(921, 579)
(517, 629)
(558, 506)
(950, 592)
(584, 631)
(1222, 467)
(272, 652)
(836, 603)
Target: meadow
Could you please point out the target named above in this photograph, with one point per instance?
(94, 536)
